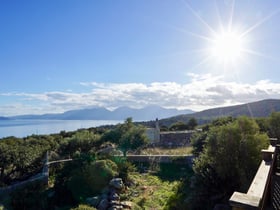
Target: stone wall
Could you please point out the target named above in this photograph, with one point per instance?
(175, 138)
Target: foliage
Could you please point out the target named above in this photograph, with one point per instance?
(274, 124)
(81, 142)
(198, 141)
(91, 178)
(124, 167)
(192, 123)
(178, 126)
(150, 192)
(21, 159)
(229, 159)
(127, 136)
(30, 197)
(83, 207)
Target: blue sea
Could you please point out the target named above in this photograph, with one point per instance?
(22, 128)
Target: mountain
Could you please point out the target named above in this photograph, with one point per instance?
(255, 109)
(147, 113)
(4, 118)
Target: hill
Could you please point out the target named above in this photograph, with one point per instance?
(4, 118)
(255, 109)
(147, 113)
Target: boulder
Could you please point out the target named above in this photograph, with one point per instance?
(103, 205)
(127, 204)
(116, 183)
(114, 197)
(93, 201)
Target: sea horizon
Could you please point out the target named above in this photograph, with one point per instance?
(23, 128)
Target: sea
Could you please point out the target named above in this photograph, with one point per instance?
(23, 128)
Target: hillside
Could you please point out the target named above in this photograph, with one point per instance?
(255, 109)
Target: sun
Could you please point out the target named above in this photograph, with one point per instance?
(227, 47)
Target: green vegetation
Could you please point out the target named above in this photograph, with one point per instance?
(228, 157)
(227, 152)
(179, 126)
(91, 178)
(127, 135)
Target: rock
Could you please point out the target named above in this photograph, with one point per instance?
(103, 205)
(114, 197)
(116, 183)
(144, 187)
(127, 204)
(93, 201)
(115, 208)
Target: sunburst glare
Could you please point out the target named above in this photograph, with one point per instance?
(228, 47)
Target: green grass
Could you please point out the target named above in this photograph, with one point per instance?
(163, 189)
(150, 192)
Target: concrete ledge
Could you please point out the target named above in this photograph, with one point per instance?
(239, 200)
(262, 176)
(256, 195)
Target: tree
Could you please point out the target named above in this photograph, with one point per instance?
(91, 178)
(192, 123)
(132, 136)
(229, 159)
(274, 124)
(178, 126)
(81, 142)
(127, 136)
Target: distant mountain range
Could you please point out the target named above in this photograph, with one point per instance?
(147, 113)
(168, 116)
(255, 109)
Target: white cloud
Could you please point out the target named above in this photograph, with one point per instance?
(202, 92)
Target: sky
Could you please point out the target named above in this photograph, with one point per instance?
(59, 55)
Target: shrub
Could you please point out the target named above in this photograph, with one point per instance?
(91, 178)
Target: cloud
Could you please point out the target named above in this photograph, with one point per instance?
(202, 92)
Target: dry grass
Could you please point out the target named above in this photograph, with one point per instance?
(167, 151)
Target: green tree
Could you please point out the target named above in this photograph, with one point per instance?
(274, 124)
(81, 142)
(127, 136)
(229, 160)
(178, 126)
(91, 178)
(192, 123)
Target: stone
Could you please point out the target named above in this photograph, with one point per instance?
(144, 187)
(103, 205)
(116, 183)
(93, 201)
(114, 197)
(127, 204)
(114, 203)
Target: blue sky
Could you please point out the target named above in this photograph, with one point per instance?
(57, 55)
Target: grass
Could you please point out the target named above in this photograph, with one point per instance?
(161, 189)
(167, 151)
(150, 192)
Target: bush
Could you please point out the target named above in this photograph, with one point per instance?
(30, 197)
(91, 178)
